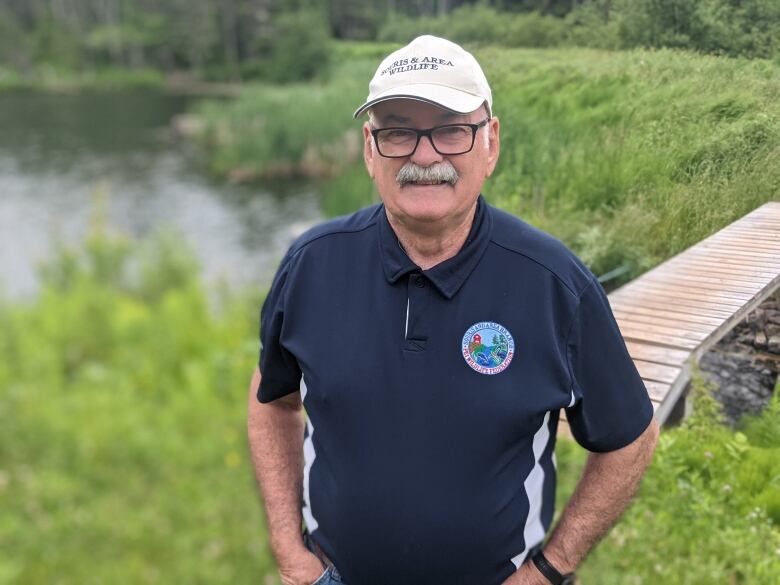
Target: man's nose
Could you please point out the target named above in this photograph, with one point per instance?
(425, 155)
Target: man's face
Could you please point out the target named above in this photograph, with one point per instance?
(426, 206)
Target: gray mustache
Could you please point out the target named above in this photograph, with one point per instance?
(439, 172)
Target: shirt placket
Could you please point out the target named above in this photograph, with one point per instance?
(417, 324)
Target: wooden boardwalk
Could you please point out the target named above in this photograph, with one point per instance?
(674, 313)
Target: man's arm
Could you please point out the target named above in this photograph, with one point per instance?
(275, 433)
(604, 491)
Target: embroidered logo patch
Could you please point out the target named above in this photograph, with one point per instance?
(488, 347)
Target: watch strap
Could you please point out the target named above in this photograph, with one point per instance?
(548, 570)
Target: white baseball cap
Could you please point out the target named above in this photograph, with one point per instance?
(433, 70)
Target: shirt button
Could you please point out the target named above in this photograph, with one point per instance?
(419, 282)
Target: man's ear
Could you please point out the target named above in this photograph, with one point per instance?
(368, 149)
(494, 145)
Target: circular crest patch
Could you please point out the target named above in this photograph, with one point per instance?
(488, 347)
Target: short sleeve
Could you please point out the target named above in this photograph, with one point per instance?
(281, 374)
(611, 406)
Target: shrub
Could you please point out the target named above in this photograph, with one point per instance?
(707, 510)
(122, 424)
(750, 28)
(479, 23)
(288, 130)
(299, 47)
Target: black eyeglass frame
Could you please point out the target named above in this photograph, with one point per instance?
(429, 133)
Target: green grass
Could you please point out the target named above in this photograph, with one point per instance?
(286, 130)
(629, 157)
(708, 510)
(123, 456)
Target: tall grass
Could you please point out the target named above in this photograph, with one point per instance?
(278, 131)
(708, 510)
(123, 456)
(633, 156)
(629, 157)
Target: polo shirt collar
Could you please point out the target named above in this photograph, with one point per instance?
(447, 276)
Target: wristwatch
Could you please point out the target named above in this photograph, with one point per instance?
(551, 573)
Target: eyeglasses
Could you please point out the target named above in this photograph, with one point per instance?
(449, 139)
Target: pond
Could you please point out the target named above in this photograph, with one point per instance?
(64, 157)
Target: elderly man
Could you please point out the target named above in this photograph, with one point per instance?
(433, 341)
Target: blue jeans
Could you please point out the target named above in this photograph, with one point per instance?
(331, 576)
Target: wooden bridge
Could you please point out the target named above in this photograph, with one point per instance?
(674, 313)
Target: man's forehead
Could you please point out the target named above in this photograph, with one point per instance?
(402, 111)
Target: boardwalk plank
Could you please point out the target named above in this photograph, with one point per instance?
(718, 251)
(660, 305)
(665, 340)
(626, 327)
(713, 268)
(628, 310)
(771, 217)
(766, 219)
(698, 273)
(657, 372)
(703, 298)
(743, 268)
(699, 291)
(659, 301)
(657, 390)
(770, 256)
(741, 261)
(751, 239)
(638, 319)
(710, 282)
(655, 353)
(763, 234)
(746, 243)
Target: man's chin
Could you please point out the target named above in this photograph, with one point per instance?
(427, 209)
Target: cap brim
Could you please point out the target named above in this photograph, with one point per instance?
(445, 97)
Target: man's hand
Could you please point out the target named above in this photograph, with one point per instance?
(304, 568)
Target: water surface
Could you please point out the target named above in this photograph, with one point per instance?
(61, 153)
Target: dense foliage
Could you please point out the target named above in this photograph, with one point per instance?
(749, 28)
(651, 150)
(708, 510)
(42, 41)
(123, 457)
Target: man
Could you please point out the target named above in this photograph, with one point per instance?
(433, 341)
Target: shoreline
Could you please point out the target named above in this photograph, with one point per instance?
(56, 82)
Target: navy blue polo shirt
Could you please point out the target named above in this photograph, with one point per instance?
(433, 396)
